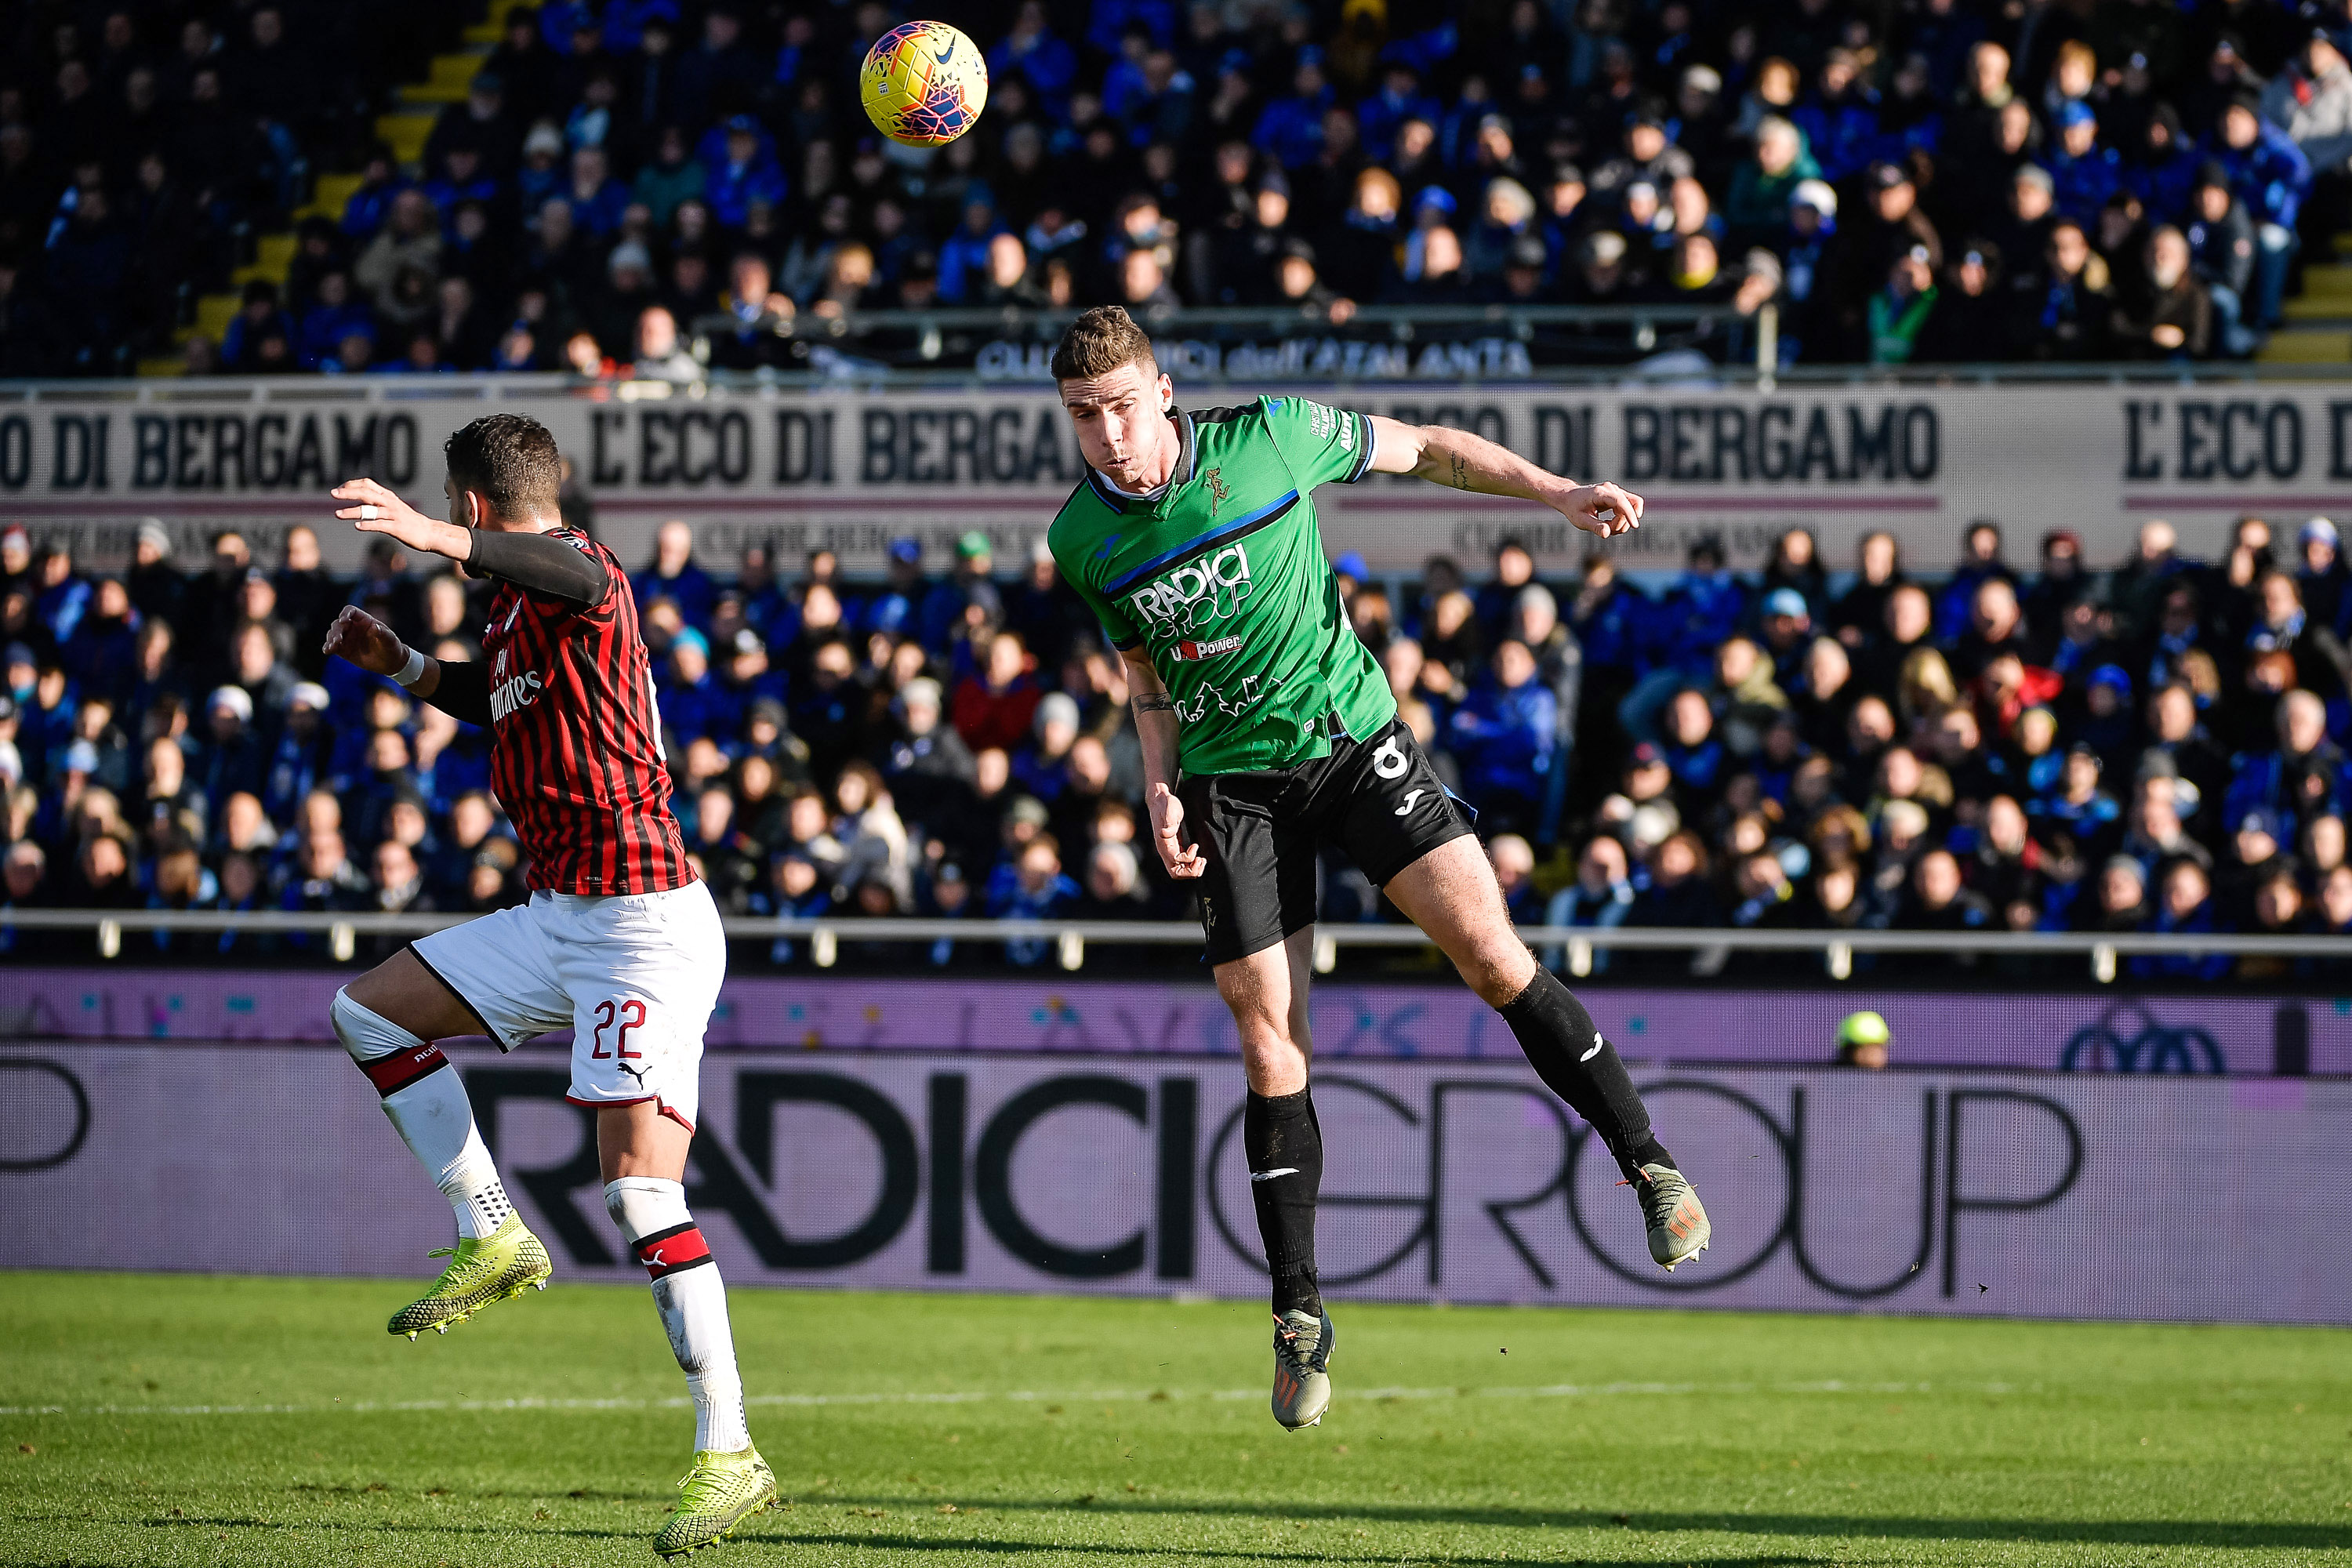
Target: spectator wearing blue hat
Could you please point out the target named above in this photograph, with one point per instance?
(692, 704)
(899, 607)
(2083, 173)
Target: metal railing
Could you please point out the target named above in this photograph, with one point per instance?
(1576, 945)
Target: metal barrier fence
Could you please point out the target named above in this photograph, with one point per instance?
(1576, 945)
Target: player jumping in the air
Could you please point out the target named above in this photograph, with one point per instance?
(1267, 727)
(620, 939)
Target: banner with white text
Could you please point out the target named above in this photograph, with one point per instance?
(2185, 1198)
(851, 471)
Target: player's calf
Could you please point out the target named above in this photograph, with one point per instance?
(497, 1257)
(692, 1300)
(1584, 1069)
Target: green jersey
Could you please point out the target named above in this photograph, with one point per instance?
(1221, 576)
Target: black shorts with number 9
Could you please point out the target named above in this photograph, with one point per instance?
(1261, 833)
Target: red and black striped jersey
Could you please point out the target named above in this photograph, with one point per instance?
(575, 740)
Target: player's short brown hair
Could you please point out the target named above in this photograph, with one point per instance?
(1098, 342)
(512, 460)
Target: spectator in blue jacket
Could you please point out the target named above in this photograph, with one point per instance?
(2270, 174)
(2183, 906)
(335, 317)
(1033, 52)
(963, 254)
(2083, 173)
(1505, 735)
(674, 576)
(1839, 121)
(1601, 896)
(693, 705)
(2301, 778)
(743, 173)
(1030, 886)
(1398, 99)
(1290, 131)
(2164, 170)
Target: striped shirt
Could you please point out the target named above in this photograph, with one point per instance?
(576, 751)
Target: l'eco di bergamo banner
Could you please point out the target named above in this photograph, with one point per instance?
(851, 471)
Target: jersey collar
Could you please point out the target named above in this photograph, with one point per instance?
(1111, 496)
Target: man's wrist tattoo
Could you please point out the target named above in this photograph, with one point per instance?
(1155, 704)
(1460, 479)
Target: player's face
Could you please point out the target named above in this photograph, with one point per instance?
(1121, 419)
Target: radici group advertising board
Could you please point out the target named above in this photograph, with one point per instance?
(851, 471)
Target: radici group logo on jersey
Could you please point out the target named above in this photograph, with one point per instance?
(1194, 596)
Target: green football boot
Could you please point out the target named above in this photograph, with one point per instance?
(1678, 1227)
(1302, 1355)
(481, 1273)
(720, 1492)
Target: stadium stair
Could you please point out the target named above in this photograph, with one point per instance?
(403, 129)
(2317, 328)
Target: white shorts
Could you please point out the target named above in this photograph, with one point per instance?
(634, 976)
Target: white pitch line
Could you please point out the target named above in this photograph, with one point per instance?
(980, 1396)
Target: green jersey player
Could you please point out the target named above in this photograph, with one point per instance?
(1269, 730)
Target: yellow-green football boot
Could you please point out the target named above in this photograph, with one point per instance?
(481, 1273)
(720, 1492)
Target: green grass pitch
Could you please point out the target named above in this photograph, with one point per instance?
(194, 1420)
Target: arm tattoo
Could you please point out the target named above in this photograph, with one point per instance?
(1155, 702)
(1460, 477)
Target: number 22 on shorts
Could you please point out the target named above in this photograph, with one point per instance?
(630, 1012)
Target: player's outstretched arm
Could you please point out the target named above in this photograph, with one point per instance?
(373, 508)
(524, 556)
(460, 691)
(1468, 462)
(1155, 728)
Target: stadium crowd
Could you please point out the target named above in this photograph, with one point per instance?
(650, 187)
(1999, 747)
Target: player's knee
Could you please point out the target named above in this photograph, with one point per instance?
(1498, 970)
(366, 1033)
(645, 1205)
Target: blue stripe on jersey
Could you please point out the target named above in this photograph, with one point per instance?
(1198, 542)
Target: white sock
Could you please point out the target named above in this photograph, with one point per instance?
(692, 1299)
(426, 1103)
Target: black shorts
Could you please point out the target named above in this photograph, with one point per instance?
(1262, 832)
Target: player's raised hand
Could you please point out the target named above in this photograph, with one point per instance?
(1184, 861)
(373, 508)
(1605, 510)
(365, 641)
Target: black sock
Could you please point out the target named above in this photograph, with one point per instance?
(1569, 1054)
(1283, 1144)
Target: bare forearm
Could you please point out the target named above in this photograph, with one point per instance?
(1465, 461)
(1155, 725)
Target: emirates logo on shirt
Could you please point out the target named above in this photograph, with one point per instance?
(507, 696)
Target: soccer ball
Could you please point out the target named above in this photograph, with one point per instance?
(923, 84)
